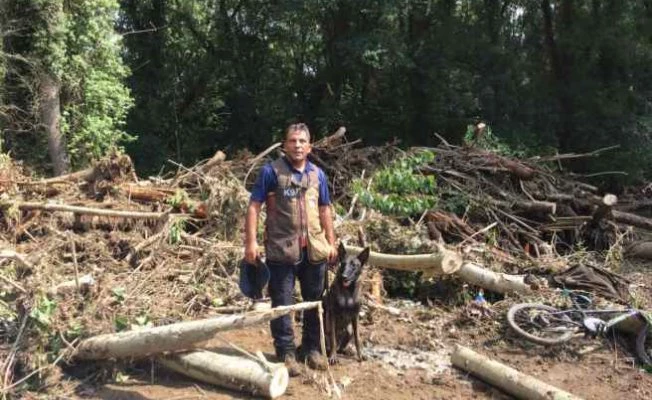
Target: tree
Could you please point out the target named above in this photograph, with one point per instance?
(64, 78)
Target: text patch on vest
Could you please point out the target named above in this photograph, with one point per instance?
(291, 193)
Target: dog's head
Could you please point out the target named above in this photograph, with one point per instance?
(351, 266)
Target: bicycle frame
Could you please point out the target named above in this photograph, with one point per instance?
(588, 320)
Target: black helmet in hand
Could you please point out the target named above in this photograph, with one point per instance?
(253, 278)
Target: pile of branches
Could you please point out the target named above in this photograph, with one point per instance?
(101, 250)
(526, 207)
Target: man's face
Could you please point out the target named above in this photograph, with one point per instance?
(297, 146)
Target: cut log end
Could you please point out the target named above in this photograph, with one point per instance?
(610, 200)
(279, 382)
(450, 262)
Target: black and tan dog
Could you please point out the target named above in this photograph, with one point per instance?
(342, 304)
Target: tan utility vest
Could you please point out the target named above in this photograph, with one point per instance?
(293, 218)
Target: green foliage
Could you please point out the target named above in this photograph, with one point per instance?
(98, 100)
(176, 229)
(118, 293)
(75, 330)
(74, 45)
(43, 311)
(141, 321)
(179, 198)
(231, 74)
(49, 46)
(121, 323)
(489, 141)
(402, 283)
(400, 189)
(454, 201)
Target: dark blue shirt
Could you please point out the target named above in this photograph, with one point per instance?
(267, 182)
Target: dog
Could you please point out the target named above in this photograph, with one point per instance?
(342, 304)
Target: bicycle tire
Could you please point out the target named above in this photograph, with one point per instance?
(562, 335)
(642, 352)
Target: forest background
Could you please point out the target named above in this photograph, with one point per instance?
(179, 79)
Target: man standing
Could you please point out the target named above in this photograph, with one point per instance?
(299, 240)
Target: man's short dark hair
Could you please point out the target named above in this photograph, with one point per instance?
(297, 127)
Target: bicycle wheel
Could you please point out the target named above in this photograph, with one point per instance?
(644, 345)
(541, 324)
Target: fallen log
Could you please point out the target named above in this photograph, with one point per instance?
(516, 168)
(446, 262)
(107, 168)
(443, 262)
(639, 250)
(494, 281)
(217, 158)
(566, 223)
(202, 169)
(635, 205)
(257, 377)
(85, 210)
(331, 140)
(175, 337)
(632, 219)
(446, 223)
(147, 194)
(84, 174)
(495, 162)
(506, 378)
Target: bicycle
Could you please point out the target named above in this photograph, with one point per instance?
(548, 325)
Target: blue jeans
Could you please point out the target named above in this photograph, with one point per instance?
(281, 289)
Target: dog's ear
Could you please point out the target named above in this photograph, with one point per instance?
(364, 255)
(341, 252)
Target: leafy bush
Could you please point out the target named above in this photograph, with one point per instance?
(400, 189)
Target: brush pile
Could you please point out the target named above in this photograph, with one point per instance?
(102, 250)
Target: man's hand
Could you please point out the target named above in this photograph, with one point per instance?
(332, 255)
(251, 253)
(251, 226)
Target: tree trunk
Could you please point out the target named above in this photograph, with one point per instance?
(632, 219)
(560, 65)
(441, 263)
(639, 250)
(259, 378)
(604, 208)
(50, 113)
(508, 379)
(175, 337)
(494, 281)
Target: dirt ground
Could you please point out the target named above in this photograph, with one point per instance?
(408, 358)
